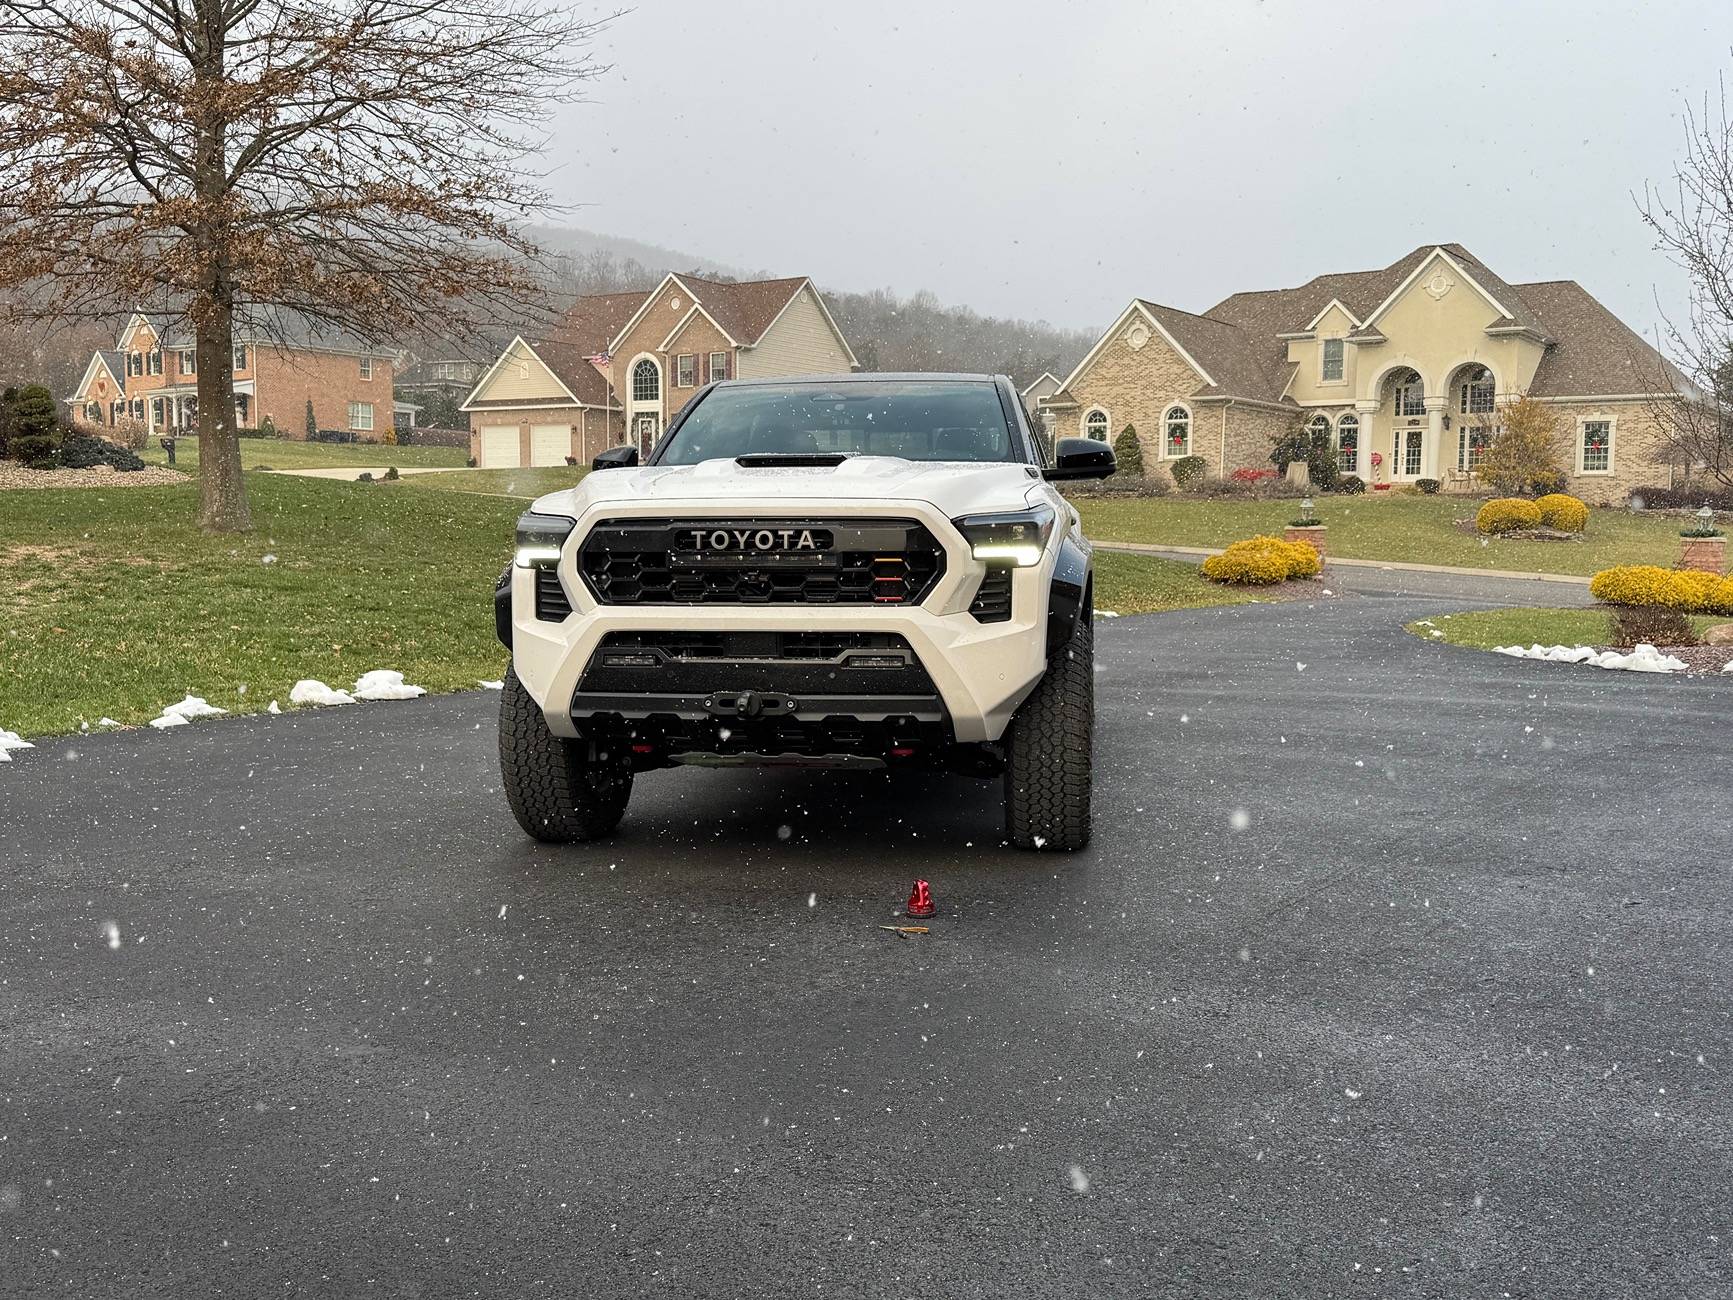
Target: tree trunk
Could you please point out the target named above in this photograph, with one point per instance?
(222, 490)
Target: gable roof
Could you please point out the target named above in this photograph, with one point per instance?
(585, 331)
(113, 362)
(1046, 376)
(1240, 344)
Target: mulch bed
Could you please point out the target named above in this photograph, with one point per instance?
(14, 475)
(1519, 534)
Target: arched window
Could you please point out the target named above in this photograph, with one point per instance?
(1319, 426)
(1348, 444)
(1176, 432)
(646, 381)
(1410, 393)
(1095, 425)
(1478, 391)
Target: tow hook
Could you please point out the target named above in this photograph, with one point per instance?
(749, 704)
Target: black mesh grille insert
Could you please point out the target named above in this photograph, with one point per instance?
(552, 604)
(760, 562)
(992, 603)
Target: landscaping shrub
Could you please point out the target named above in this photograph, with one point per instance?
(1651, 625)
(365, 476)
(33, 450)
(1562, 511)
(1245, 475)
(1525, 453)
(312, 423)
(268, 428)
(1352, 484)
(1313, 446)
(129, 433)
(1692, 497)
(333, 435)
(34, 413)
(1262, 562)
(1188, 470)
(1689, 591)
(1429, 486)
(391, 474)
(84, 451)
(1128, 453)
(1507, 515)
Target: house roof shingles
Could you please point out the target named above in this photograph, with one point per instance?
(1589, 351)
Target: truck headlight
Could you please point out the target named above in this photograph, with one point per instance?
(540, 538)
(1019, 537)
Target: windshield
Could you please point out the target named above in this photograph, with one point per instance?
(941, 420)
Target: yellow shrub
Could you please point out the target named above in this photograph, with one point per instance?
(1262, 561)
(1562, 511)
(1690, 591)
(1507, 515)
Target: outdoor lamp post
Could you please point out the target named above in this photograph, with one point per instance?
(1704, 547)
(1706, 516)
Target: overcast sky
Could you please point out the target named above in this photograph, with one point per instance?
(1054, 160)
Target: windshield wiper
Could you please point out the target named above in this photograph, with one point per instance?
(762, 459)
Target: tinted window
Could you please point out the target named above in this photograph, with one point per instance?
(917, 421)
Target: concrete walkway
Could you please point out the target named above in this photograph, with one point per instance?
(1391, 578)
(378, 471)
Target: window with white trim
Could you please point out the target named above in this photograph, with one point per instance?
(1410, 394)
(240, 356)
(367, 369)
(153, 361)
(134, 363)
(1333, 363)
(1595, 447)
(1478, 392)
(685, 370)
(646, 381)
(361, 416)
(1176, 431)
(718, 367)
(1348, 444)
(189, 361)
(1472, 442)
(1095, 425)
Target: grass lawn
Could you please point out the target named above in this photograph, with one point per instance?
(1148, 584)
(281, 453)
(113, 603)
(1484, 629)
(1417, 529)
(526, 484)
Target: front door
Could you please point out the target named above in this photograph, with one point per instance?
(1406, 449)
(644, 432)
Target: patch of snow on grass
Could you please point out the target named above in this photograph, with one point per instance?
(311, 691)
(168, 720)
(107, 722)
(490, 686)
(193, 706)
(385, 684)
(1643, 658)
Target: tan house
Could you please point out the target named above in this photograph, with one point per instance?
(1406, 368)
(154, 378)
(619, 365)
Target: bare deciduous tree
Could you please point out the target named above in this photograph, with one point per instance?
(358, 166)
(1692, 219)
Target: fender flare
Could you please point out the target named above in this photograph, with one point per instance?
(502, 607)
(1070, 595)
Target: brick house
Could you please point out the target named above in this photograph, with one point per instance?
(619, 365)
(154, 378)
(1405, 367)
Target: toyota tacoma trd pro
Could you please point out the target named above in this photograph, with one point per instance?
(862, 571)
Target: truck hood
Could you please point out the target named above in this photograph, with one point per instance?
(954, 487)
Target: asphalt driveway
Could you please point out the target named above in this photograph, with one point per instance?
(1395, 969)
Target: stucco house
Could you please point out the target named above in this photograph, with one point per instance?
(1405, 366)
(153, 377)
(619, 365)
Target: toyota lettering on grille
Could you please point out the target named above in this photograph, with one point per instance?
(769, 541)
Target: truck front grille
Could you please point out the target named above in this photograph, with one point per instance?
(760, 562)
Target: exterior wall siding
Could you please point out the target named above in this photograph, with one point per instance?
(801, 342)
(521, 377)
(287, 380)
(1136, 387)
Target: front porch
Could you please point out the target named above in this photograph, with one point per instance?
(1406, 436)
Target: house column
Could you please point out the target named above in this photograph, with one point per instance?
(1363, 454)
(1432, 458)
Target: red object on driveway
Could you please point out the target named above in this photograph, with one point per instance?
(920, 900)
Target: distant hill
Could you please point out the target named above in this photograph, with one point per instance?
(887, 331)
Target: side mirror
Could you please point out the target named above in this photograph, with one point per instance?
(1081, 458)
(616, 458)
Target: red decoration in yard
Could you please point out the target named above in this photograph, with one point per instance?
(920, 902)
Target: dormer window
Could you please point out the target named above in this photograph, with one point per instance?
(1333, 350)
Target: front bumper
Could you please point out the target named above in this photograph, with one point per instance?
(980, 671)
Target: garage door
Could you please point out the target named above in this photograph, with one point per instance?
(550, 444)
(499, 446)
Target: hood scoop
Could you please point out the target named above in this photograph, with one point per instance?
(791, 459)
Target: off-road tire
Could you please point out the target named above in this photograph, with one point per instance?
(557, 794)
(1047, 749)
